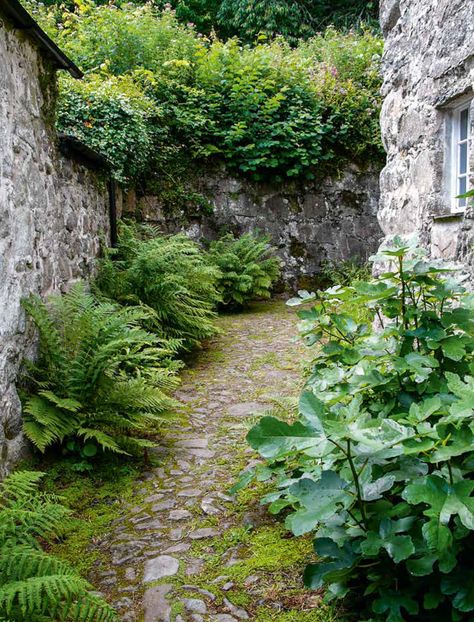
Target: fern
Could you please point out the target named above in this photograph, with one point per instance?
(100, 377)
(35, 586)
(168, 274)
(248, 267)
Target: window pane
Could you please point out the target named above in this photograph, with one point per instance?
(462, 185)
(463, 159)
(464, 124)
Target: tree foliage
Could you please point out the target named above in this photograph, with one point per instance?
(379, 463)
(159, 98)
(35, 586)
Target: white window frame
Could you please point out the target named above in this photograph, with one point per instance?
(459, 205)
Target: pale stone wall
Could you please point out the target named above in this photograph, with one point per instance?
(333, 219)
(428, 65)
(52, 214)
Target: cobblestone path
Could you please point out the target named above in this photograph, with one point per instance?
(186, 550)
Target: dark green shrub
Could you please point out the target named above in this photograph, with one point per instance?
(100, 380)
(379, 464)
(248, 268)
(170, 275)
(35, 586)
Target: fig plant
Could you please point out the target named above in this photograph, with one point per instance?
(379, 463)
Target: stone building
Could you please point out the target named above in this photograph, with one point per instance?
(427, 124)
(54, 208)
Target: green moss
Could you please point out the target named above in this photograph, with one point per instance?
(96, 500)
(318, 614)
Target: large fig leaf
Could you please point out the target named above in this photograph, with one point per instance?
(274, 438)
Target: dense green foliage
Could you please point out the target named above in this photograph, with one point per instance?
(379, 464)
(159, 98)
(100, 380)
(291, 19)
(269, 18)
(168, 274)
(248, 268)
(35, 586)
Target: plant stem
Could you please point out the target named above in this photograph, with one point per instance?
(357, 483)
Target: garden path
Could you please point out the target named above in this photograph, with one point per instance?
(187, 550)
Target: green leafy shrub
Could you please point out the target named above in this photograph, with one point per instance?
(159, 98)
(379, 463)
(35, 586)
(248, 268)
(100, 379)
(113, 117)
(168, 274)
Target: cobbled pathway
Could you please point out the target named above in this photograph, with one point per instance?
(182, 507)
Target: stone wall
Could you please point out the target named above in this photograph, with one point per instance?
(428, 66)
(52, 214)
(330, 220)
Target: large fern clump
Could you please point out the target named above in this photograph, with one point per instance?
(36, 586)
(170, 274)
(99, 380)
(248, 266)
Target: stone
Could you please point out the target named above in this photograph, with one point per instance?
(179, 514)
(194, 443)
(182, 547)
(191, 492)
(204, 532)
(194, 605)
(164, 505)
(130, 574)
(208, 507)
(238, 612)
(245, 409)
(223, 617)
(155, 605)
(175, 534)
(228, 586)
(160, 567)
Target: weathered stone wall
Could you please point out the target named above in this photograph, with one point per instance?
(52, 214)
(331, 220)
(428, 65)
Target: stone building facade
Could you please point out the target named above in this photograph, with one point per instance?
(310, 223)
(53, 209)
(428, 123)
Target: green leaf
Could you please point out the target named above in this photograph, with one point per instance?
(391, 604)
(272, 437)
(421, 566)
(312, 409)
(460, 584)
(337, 565)
(320, 500)
(444, 499)
(439, 539)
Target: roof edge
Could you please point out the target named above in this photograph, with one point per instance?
(22, 20)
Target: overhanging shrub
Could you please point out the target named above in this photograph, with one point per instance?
(379, 464)
(269, 111)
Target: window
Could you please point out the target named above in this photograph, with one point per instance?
(460, 148)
